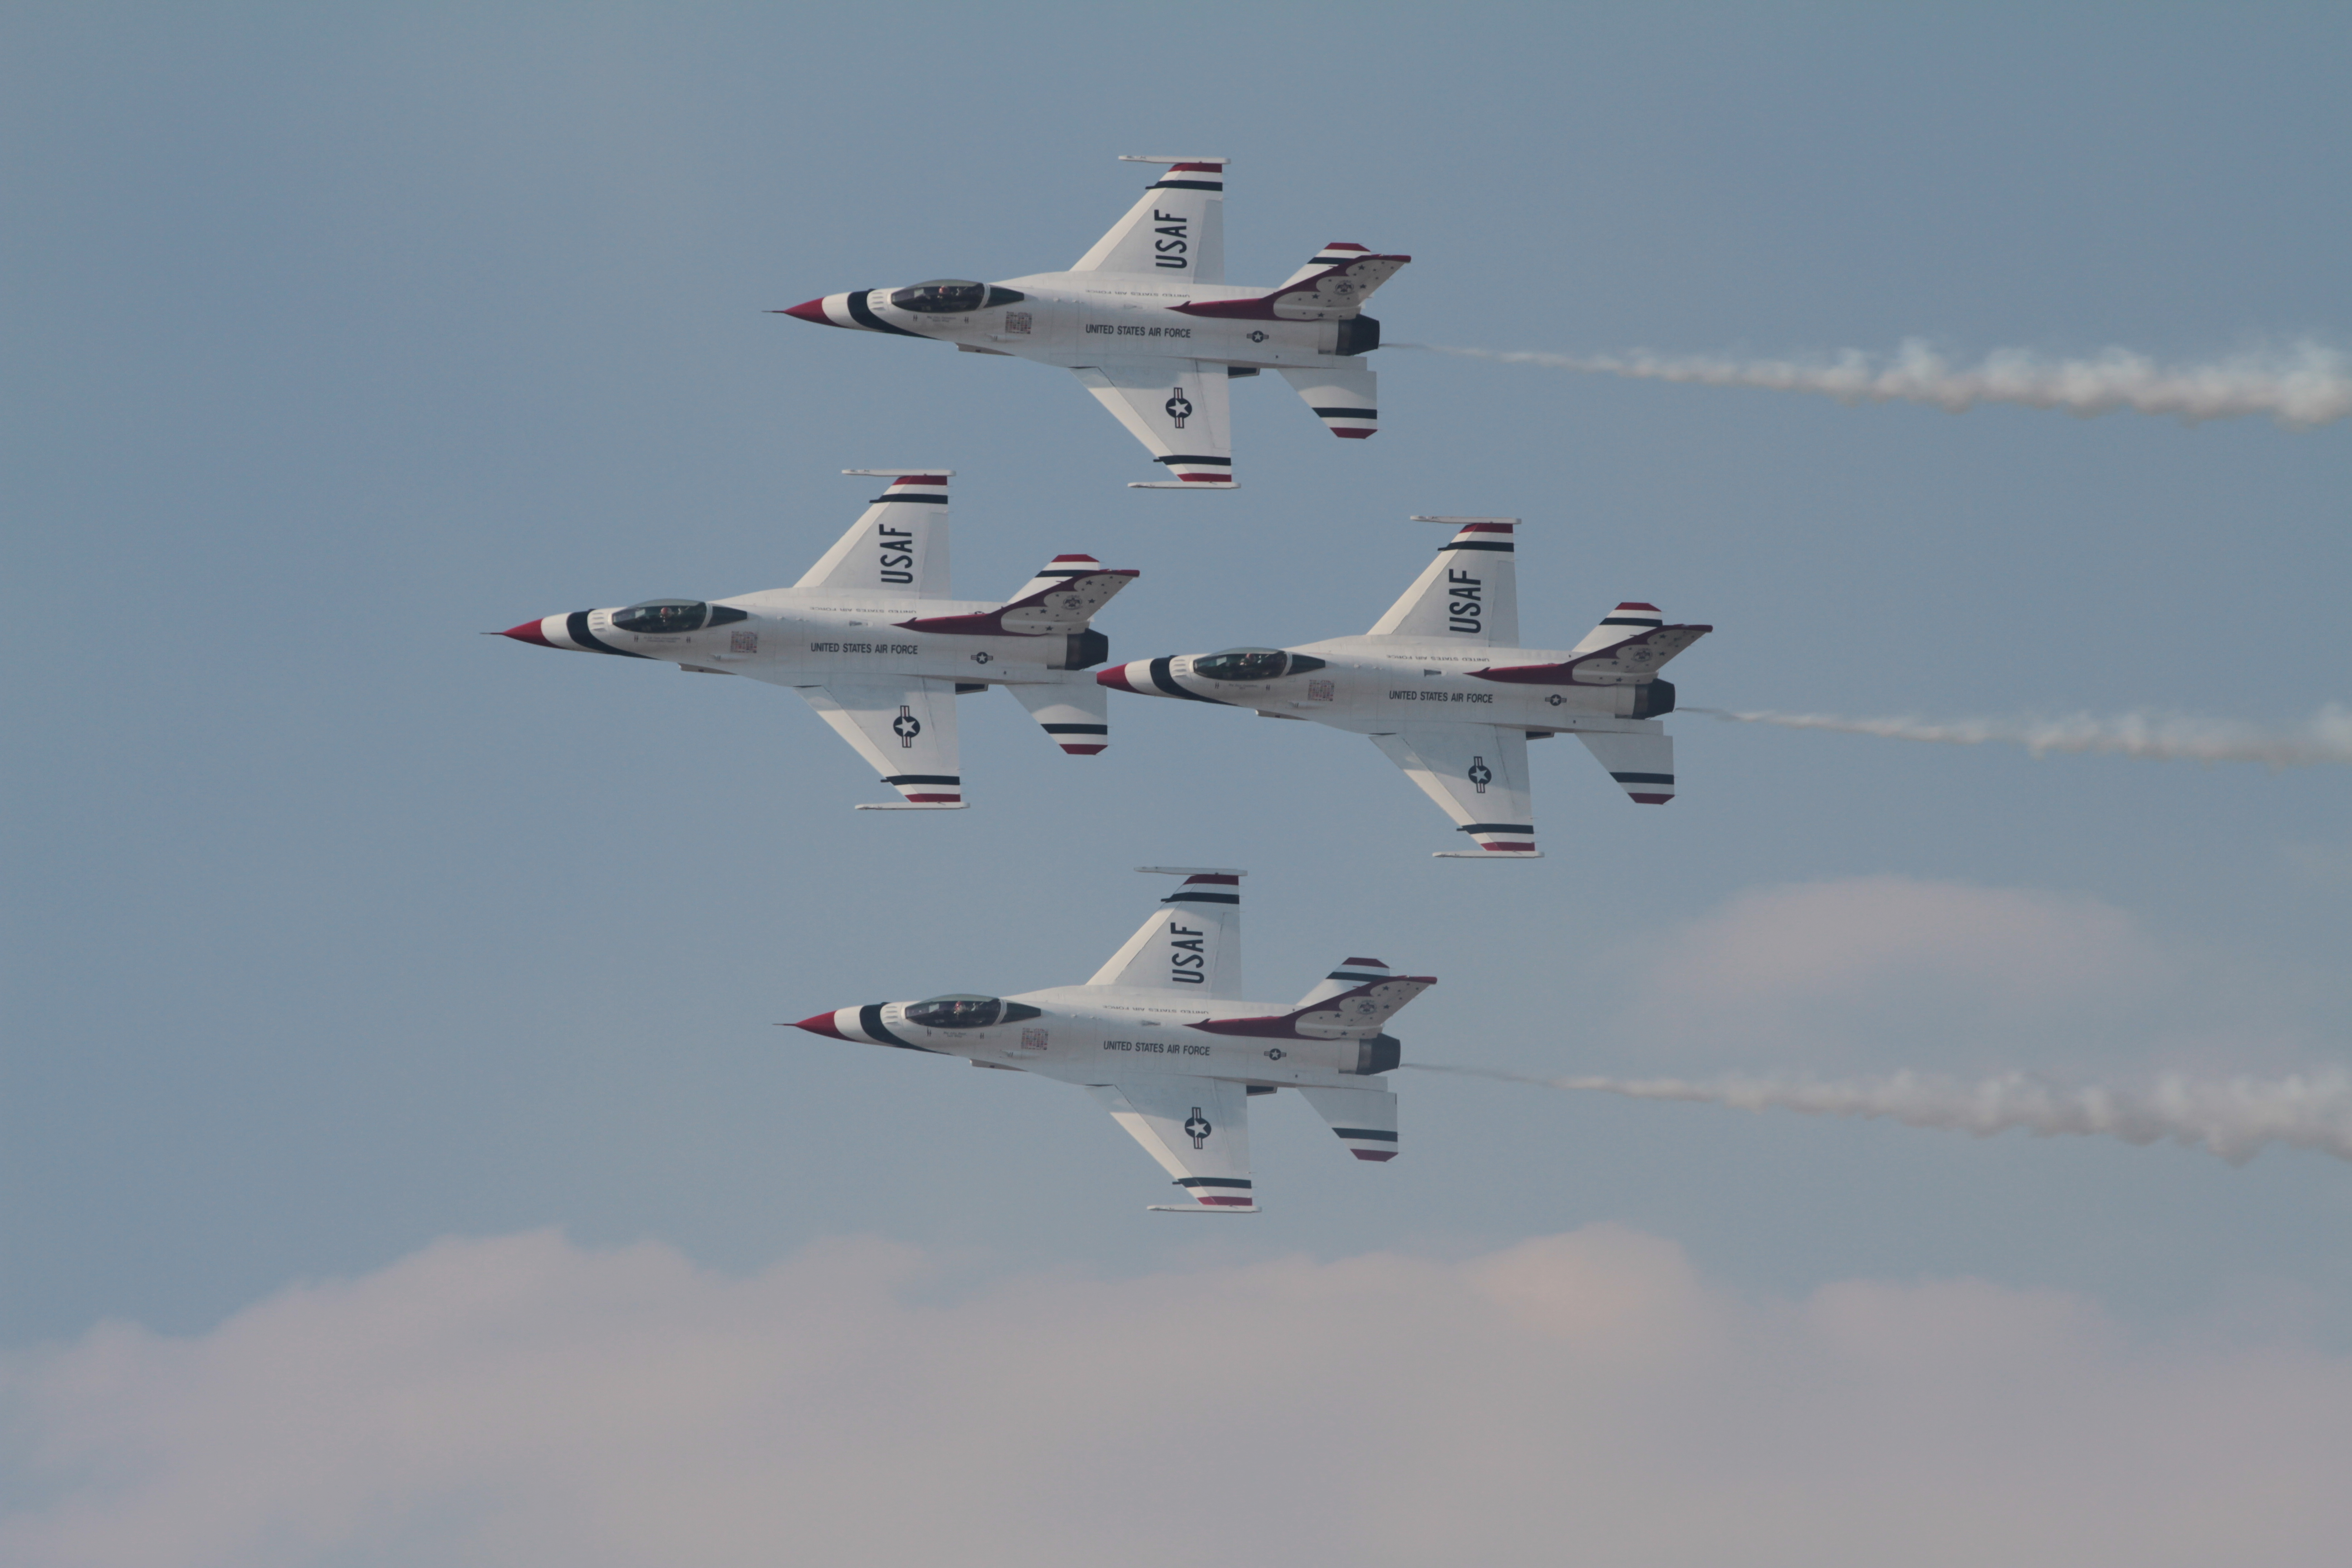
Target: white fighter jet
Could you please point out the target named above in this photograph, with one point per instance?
(1443, 690)
(871, 638)
(1162, 1040)
(1148, 322)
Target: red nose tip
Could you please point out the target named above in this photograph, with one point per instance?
(528, 632)
(811, 311)
(1115, 677)
(820, 1024)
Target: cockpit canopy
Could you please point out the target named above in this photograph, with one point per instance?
(950, 297)
(1252, 664)
(672, 616)
(960, 1012)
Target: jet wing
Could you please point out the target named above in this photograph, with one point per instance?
(1197, 1128)
(1177, 230)
(897, 546)
(1470, 592)
(906, 729)
(1178, 409)
(1477, 775)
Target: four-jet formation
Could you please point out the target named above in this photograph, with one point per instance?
(1148, 323)
(1442, 689)
(871, 638)
(1161, 1037)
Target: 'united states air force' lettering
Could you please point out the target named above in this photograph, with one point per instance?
(898, 555)
(1186, 956)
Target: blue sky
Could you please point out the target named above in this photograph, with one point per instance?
(340, 336)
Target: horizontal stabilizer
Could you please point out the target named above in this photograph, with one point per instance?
(1642, 763)
(1365, 1119)
(1355, 1013)
(1346, 398)
(1635, 662)
(1327, 293)
(1073, 589)
(1075, 715)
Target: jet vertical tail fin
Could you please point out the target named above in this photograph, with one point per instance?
(1192, 945)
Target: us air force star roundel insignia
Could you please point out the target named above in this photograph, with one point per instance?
(982, 656)
(1480, 774)
(1276, 1054)
(1197, 1128)
(905, 726)
(1179, 406)
(1555, 699)
(1258, 337)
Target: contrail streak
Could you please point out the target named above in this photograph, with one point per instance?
(2233, 1118)
(2301, 385)
(2326, 737)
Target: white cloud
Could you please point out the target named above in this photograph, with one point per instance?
(520, 1401)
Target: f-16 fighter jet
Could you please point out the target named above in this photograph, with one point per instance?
(1442, 688)
(871, 638)
(1162, 1040)
(1148, 323)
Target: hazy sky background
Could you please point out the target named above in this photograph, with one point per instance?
(339, 335)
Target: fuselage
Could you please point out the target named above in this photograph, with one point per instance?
(1093, 1034)
(1074, 318)
(1370, 685)
(803, 637)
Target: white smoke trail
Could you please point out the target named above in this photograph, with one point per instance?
(2301, 385)
(2326, 737)
(2234, 1119)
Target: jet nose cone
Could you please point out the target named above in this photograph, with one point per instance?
(528, 632)
(821, 1024)
(1115, 677)
(810, 311)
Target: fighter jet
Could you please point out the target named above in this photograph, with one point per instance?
(870, 637)
(1162, 1040)
(1148, 323)
(1443, 690)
